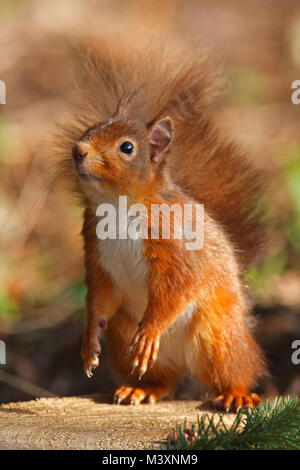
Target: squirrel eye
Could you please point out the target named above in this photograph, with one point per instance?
(127, 147)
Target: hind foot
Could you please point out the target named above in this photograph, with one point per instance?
(134, 396)
(232, 401)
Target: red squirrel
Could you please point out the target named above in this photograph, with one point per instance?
(143, 127)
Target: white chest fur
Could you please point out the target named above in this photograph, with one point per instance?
(122, 258)
(124, 262)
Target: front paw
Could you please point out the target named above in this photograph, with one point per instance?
(90, 352)
(144, 349)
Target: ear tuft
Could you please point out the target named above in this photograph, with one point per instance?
(160, 138)
(123, 107)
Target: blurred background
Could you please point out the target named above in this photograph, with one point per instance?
(41, 268)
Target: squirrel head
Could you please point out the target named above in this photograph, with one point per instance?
(122, 156)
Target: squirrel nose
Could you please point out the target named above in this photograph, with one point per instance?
(78, 153)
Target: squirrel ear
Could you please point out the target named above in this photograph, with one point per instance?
(160, 138)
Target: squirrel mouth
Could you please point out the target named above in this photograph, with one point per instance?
(88, 178)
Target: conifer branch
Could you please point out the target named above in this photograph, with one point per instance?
(275, 426)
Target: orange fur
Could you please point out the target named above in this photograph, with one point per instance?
(195, 296)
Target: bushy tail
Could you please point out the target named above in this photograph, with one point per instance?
(217, 173)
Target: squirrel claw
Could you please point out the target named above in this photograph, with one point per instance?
(117, 400)
(90, 352)
(89, 372)
(142, 371)
(92, 364)
(233, 401)
(144, 347)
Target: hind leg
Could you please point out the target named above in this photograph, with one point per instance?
(231, 369)
(157, 383)
(228, 359)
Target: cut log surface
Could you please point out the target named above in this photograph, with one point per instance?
(90, 422)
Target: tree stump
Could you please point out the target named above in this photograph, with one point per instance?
(90, 422)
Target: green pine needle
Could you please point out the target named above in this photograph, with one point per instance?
(273, 427)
